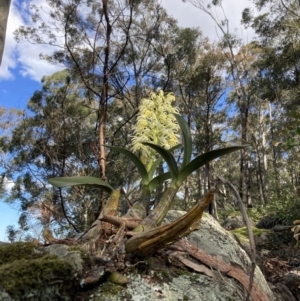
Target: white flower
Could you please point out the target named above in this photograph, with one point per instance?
(156, 124)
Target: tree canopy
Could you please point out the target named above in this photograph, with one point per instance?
(117, 53)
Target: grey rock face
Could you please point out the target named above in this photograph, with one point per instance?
(215, 241)
(72, 257)
(234, 222)
(148, 285)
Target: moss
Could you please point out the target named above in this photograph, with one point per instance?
(108, 290)
(23, 275)
(162, 276)
(16, 251)
(235, 214)
(244, 231)
(118, 278)
(25, 270)
(85, 257)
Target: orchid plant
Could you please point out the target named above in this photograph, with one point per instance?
(156, 136)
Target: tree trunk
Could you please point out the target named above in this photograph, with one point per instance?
(104, 93)
(259, 172)
(244, 183)
(265, 162)
(4, 10)
(274, 157)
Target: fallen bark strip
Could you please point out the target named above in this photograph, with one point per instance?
(233, 270)
(145, 243)
(200, 268)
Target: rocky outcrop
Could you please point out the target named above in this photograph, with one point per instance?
(204, 286)
(234, 222)
(292, 281)
(217, 270)
(268, 222)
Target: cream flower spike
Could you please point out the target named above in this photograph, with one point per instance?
(156, 124)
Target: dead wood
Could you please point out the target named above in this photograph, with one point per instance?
(145, 243)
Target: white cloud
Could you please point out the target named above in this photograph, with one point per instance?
(8, 184)
(9, 55)
(31, 65)
(24, 55)
(191, 16)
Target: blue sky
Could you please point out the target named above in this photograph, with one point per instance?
(14, 93)
(22, 70)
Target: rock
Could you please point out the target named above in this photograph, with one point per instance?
(29, 272)
(234, 222)
(268, 222)
(67, 254)
(284, 292)
(182, 288)
(292, 281)
(215, 241)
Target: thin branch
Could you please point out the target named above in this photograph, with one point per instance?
(250, 232)
(119, 128)
(64, 211)
(289, 10)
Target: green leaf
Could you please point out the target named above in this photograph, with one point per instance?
(72, 181)
(168, 157)
(159, 180)
(187, 140)
(135, 160)
(289, 146)
(205, 158)
(295, 115)
(157, 161)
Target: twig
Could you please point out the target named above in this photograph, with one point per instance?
(250, 233)
(65, 213)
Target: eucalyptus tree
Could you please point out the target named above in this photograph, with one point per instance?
(231, 44)
(200, 85)
(55, 138)
(8, 120)
(278, 36)
(141, 69)
(151, 42)
(110, 46)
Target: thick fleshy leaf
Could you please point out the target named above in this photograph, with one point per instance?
(205, 158)
(73, 181)
(159, 180)
(187, 140)
(159, 160)
(168, 157)
(135, 160)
